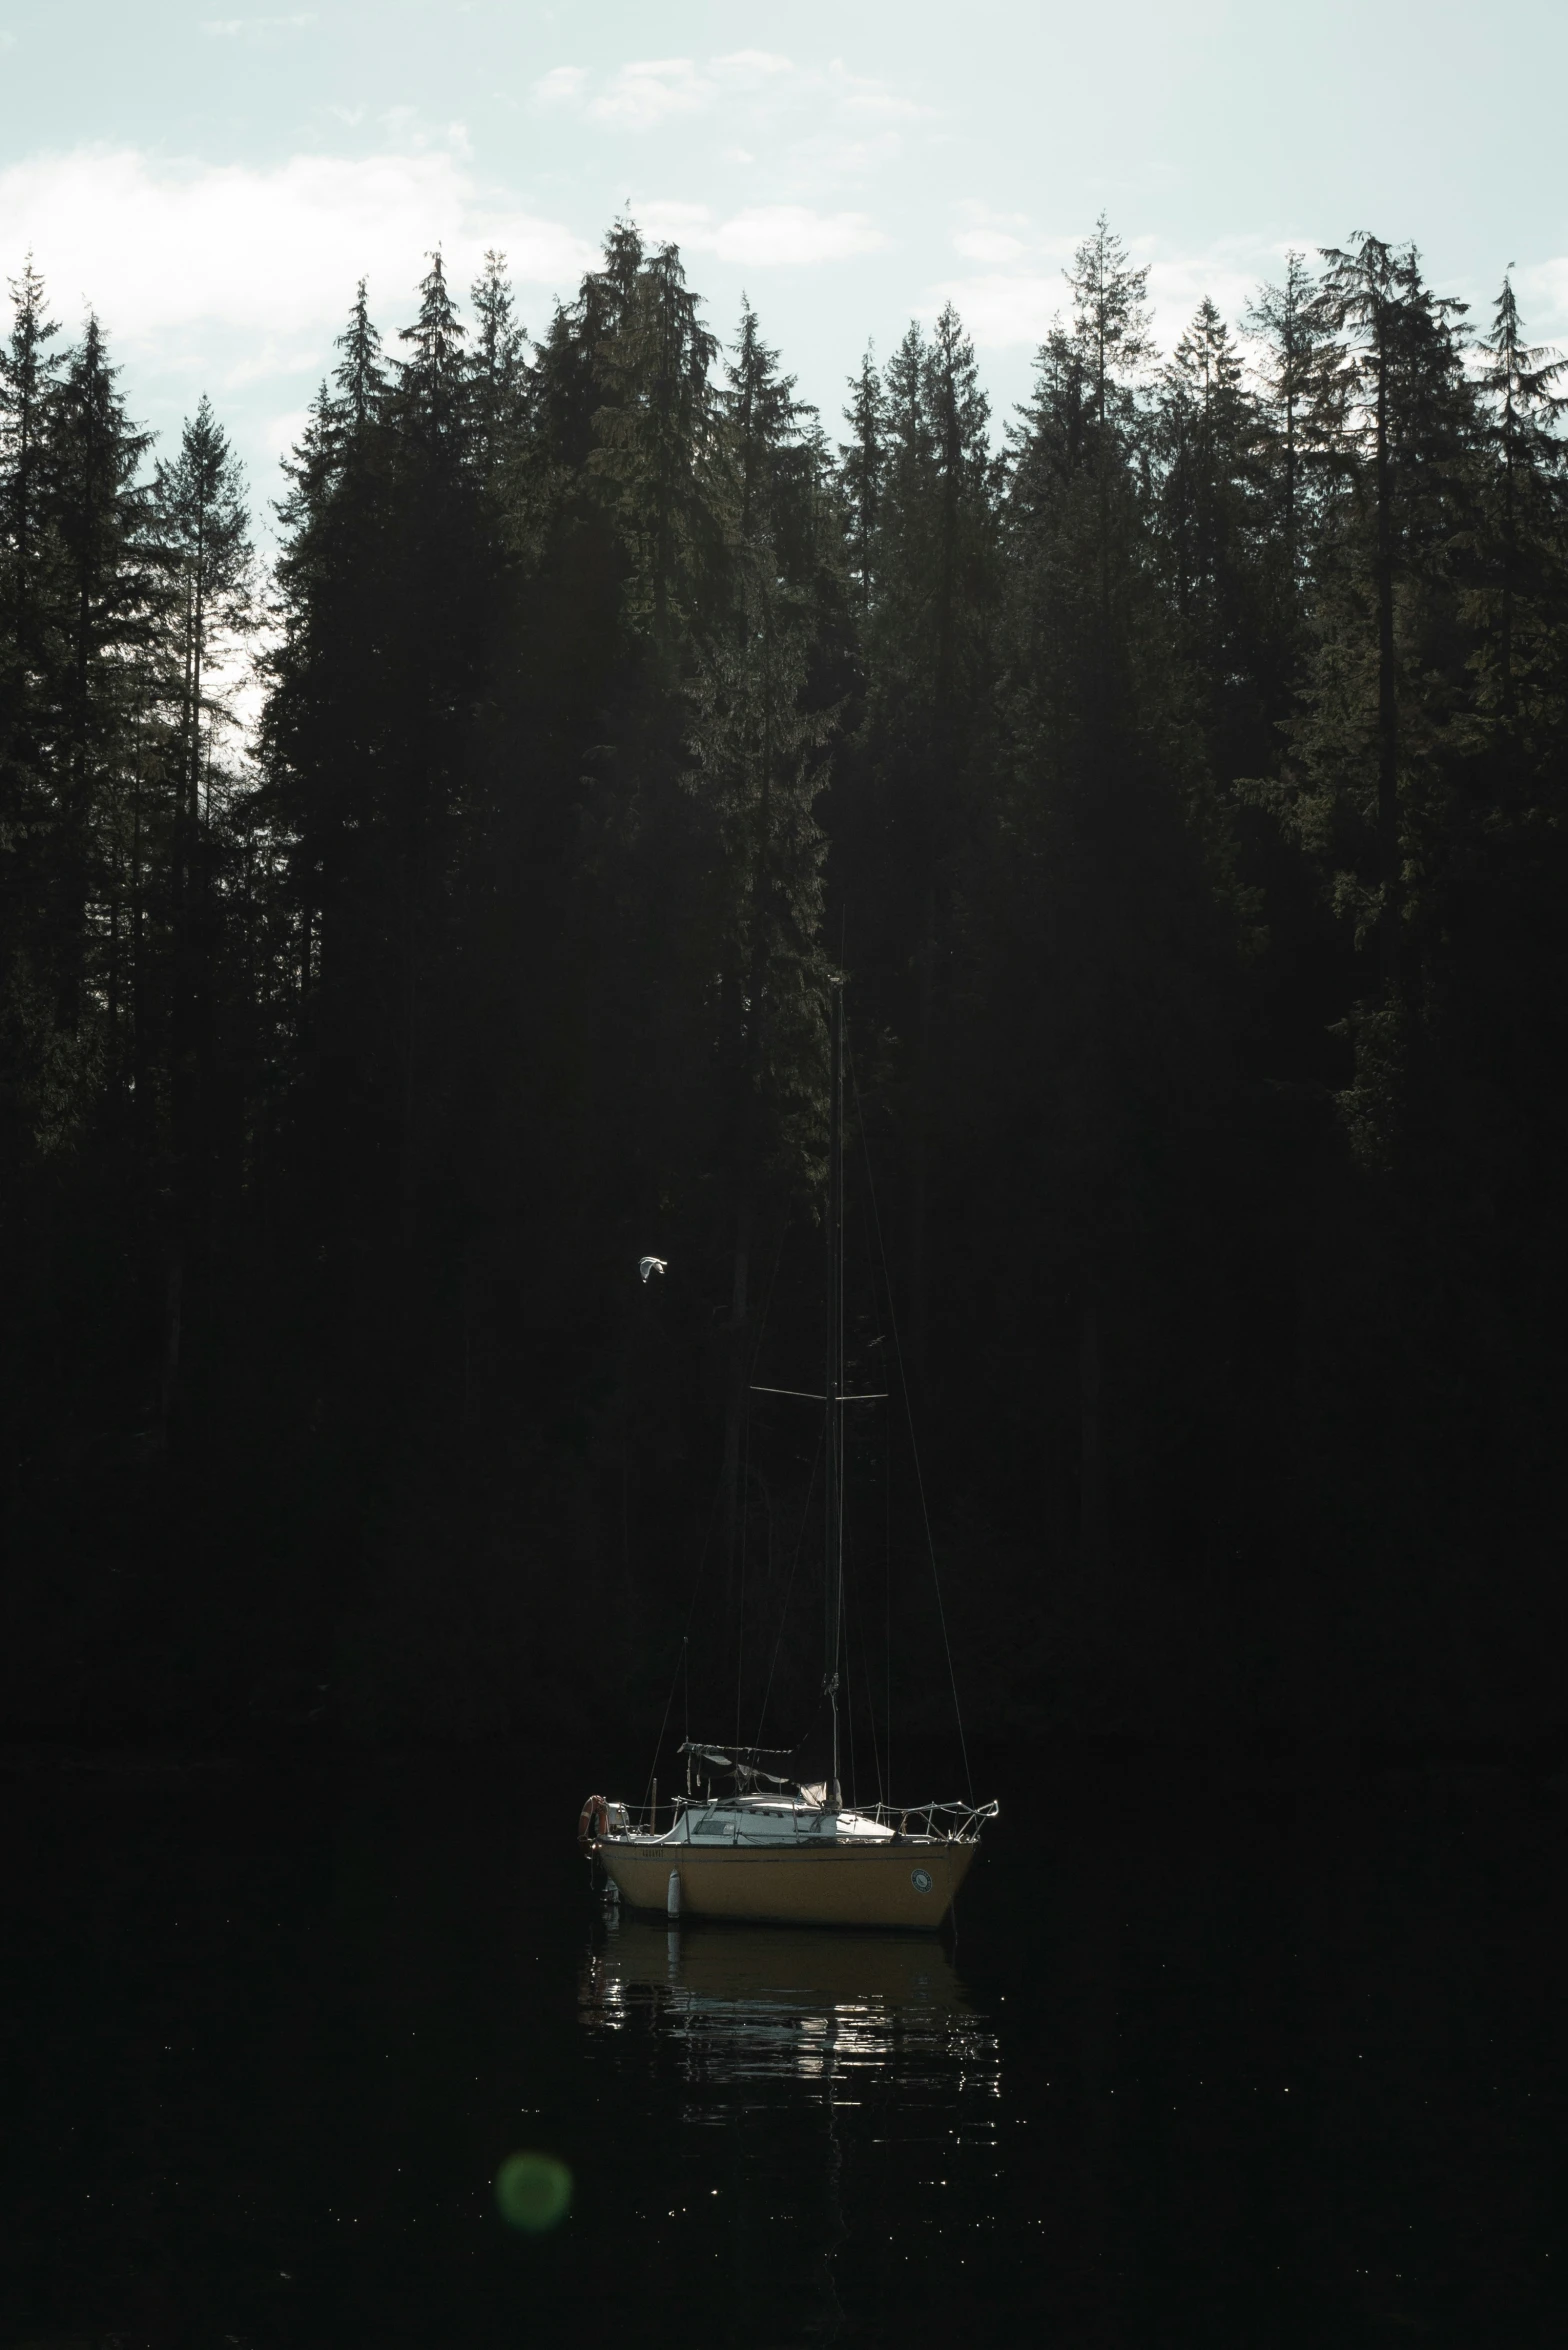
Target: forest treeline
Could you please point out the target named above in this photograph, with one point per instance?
(1174, 770)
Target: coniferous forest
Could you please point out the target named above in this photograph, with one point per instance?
(1176, 771)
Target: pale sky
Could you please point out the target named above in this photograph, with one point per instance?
(215, 184)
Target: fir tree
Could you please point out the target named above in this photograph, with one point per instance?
(499, 363)
(1525, 510)
(1407, 424)
(1110, 323)
(30, 690)
(204, 526)
(108, 598)
(1208, 447)
(360, 375)
(1300, 403)
(860, 465)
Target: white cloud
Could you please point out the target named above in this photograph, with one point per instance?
(560, 86)
(646, 94)
(284, 432)
(228, 28)
(161, 251)
(1003, 312)
(666, 222)
(989, 246)
(409, 128)
(651, 91)
(763, 236)
(854, 123)
(881, 105)
(855, 94)
(980, 215)
(791, 235)
(755, 67)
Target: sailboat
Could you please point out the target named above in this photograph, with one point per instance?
(746, 1840)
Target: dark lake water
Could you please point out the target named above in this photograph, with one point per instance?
(1203, 2066)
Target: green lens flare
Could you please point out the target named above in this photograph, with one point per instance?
(532, 2192)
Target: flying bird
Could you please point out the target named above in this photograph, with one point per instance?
(647, 1265)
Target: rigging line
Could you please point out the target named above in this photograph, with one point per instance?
(849, 1700)
(805, 1520)
(887, 1598)
(691, 1610)
(871, 1703)
(909, 1411)
(887, 1537)
(745, 1478)
(745, 1531)
(663, 1725)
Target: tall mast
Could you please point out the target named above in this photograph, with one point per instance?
(833, 1382)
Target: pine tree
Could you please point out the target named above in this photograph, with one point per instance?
(1102, 916)
(761, 731)
(29, 373)
(106, 618)
(204, 526)
(654, 435)
(29, 695)
(1521, 535)
(1110, 324)
(759, 743)
(860, 470)
(499, 365)
(1207, 438)
(1408, 417)
(360, 375)
(204, 523)
(927, 648)
(1300, 401)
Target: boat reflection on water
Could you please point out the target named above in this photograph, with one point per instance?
(845, 2010)
(843, 2079)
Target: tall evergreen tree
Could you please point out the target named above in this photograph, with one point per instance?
(1211, 526)
(861, 462)
(1408, 419)
(1520, 536)
(1103, 919)
(106, 617)
(204, 526)
(30, 690)
(1300, 387)
(759, 741)
(499, 364)
(928, 650)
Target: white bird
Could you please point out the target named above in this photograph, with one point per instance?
(647, 1265)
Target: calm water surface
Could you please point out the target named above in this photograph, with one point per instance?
(1201, 2067)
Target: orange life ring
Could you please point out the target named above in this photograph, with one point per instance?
(593, 1821)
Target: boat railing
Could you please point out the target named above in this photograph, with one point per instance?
(951, 1822)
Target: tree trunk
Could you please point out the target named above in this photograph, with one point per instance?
(1387, 694)
(172, 1305)
(735, 1400)
(1091, 1498)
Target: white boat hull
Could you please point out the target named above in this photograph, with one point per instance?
(891, 1882)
